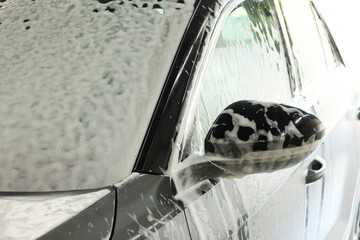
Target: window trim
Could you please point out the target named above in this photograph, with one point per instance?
(316, 13)
(157, 144)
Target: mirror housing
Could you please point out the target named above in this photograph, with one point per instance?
(251, 137)
(262, 136)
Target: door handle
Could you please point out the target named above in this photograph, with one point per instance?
(316, 170)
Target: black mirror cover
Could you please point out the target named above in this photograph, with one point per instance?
(252, 126)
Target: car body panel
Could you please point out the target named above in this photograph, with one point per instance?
(94, 222)
(244, 212)
(31, 215)
(334, 98)
(146, 208)
(335, 103)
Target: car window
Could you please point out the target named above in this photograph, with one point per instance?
(79, 81)
(248, 62)
(313, 54)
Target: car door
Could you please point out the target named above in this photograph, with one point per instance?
(246, 59)
(251, 62)
(326, 86)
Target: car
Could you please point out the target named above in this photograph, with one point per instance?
(194, 119)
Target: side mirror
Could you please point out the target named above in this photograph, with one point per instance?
(252, 137)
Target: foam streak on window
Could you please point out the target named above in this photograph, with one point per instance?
(248, 63)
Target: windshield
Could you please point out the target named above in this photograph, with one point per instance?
(79, 81)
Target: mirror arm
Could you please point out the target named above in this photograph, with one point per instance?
(195, 169)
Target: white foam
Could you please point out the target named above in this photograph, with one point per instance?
(78, 88)
(32, 216)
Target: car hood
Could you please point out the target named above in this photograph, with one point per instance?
(31, 215)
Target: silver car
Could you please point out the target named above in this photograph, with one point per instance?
(194, 119)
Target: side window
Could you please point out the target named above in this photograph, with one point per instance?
(248, 63)
(310, 41)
